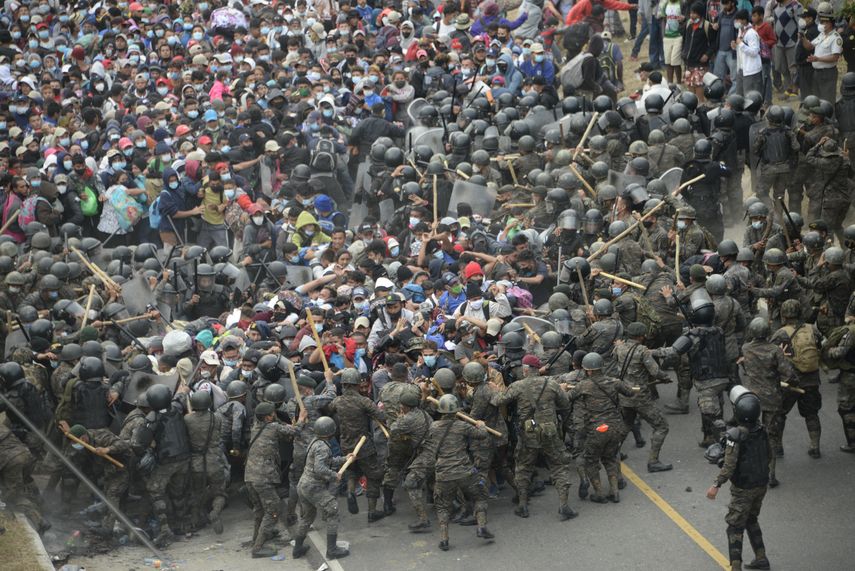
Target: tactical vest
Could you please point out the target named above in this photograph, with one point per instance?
(805, 357)
(752, 468)
(90, 405)
(708, 360)
(173, 444)
(844, 112)
(776, 149)
(213, 303)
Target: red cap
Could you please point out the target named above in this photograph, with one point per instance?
(181, 130)
(205, 140)
(532, 361)
(472, 269)
(78, 52)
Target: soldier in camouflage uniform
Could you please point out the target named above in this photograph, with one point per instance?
(235, 422)
(663, 156)
(400, 451)
(69, 356)
(844, 353)
(603, 332)
(638, 368)
(574, 422)
(781, 285)
(763, 368)
(761, 234)
(776, 148)
(605, 429)
(538, 402)
(408, 433)
(818, 127)
(487, 455)
(828, 190)
(801, 342)
(692, 239)
(16, 466)
(263, 473)
(746, 461)
(28, 399)
(355, 413)
(208, 465)
(313, 403)
(551, 344)
(831, 285)
(448, 446)
(316, 489)
(729, 317)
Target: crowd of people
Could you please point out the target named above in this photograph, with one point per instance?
(303, 250)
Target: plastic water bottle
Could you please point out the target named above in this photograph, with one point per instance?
(73, 540)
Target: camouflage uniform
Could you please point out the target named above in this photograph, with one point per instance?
(809, 137)
(316, 487)
(781, 287)
(209, 471)
(776, 176)
(407, 435)
(263, 473)
(16, 466)
(355, 413)
(561, 365)
(663, 157)
(828, 189)
(235, 425)
(739, 279)
(490, 453)
(400, 451)
(538, 400)
(597, 396)
(730, 318)
(764, 367)
(832, 288)
(59, 378)
(600, 338)
(846, 386)
(639, 368)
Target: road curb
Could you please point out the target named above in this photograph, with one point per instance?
(42, 557)
(321, 545)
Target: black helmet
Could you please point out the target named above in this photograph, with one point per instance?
(11, 372)
(753, 102)
(824, 109)
(275, 393)
(736, 102)
(513, 341)
(517, 129)
(774, 257)
(236, 389)
(460, 142)
(43, 264)
(70, 352)
(678, 111)
(40, 241)
(60, 270)
(703, 149)
(70, 230)
(91, 368)
(6, 265)
(654, 103)
(592, 362)
(428, 113)
(724, 119)
(640, 166)
(727, 248)
(703, 309)
(775, 115)
(526, 143)
(480, 158)
(92, 348)
(201, 400)
(42, 328)
(571, 105)
(603, 103)
(140, 363)
(158, 397)
(689, 99)
(268, 367)
(145, 251)
(324, 427)
(616, 228)
(394, 157)
(714, 91)
(122, 253)
(812, 240)
(89, 244)
(603, 308)
(220, 254)
(506, 99)
(746, 405)
(301, 173)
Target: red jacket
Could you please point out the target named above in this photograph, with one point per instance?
(582, 9)
(767, 37)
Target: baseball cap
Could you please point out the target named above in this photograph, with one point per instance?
(209, 357)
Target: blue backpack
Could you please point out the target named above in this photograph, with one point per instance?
(154, 215)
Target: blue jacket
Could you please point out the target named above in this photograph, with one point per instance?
(545, 69)
(171, 202)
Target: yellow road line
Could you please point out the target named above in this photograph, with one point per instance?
(672, 514)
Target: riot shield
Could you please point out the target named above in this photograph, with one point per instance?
(672, 178)
(363, 179)
(753, 133)
(432, 138)
(15, 339)
(536, 324)
(621, 180)
(537, 119)
(358, 213)
(414, 107)
(480, 198)
(387, 210)
(137, 295)
(140, 381)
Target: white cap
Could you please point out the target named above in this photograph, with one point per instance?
(210, 357)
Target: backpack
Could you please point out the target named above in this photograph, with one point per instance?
(645, 313)
(154, 215)
(484, 308)
(801, 348)
(323, 156)
(571, 75)
(607, 61)
(833, 340)
(27, 213)
(521, 296)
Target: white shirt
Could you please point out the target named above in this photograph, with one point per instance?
(827, 44)
(748, 52)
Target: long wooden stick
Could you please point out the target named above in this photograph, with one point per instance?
(585, 135)
(436, 386)
(88, 306)
(135, 318)
(295, 386)
(435, 205)
(794, 389)
(311, 319)
(583, 286)
(12, 217)
(96, 271)
(469, 419)
(383, 429)
(531, 333)
(622, 281)
(91, 449)
(635, 224)
(513, 172)
(584, 182)
(677, 256)
(352, 459)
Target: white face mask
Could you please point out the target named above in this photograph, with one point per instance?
(757, 224)
(681, 225)
(476, 304)
(257, 220)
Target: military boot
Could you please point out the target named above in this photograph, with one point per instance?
(522, 509)
(352, 505)
(814, 431)
(333, 550)
(709, 431)
(388, 504)
(300, 547)
(263, 552)
(734, 547)
(423, 523)
(848, 431)
(483, 532)
(636, 433)
(443, 535)
(584, 485)
(755, 537)
(373, 514)
(597, 492)
(614, 490)
(565, 512)
(681, 405)
(214, 517)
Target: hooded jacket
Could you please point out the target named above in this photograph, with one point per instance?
(171, 202)
(513, 77)
(299, 238)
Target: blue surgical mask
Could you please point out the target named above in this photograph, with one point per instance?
(327, 113)
(681, 225)
(309, 233)
(265, 30)
(77, 446)
(36, 183)
(229, 194)
(128, 152)
(430, 360)
(173, 185)
(230, 362)
(54, 295)
(490, 62)
(319, 327)
(193, 113)
(358, 354)
(539, 58)
(44, 34)
(294, 259)
(119, 166)
(198, 36)
(616, 291)
(394, 251)
(414, 221)
(64, 142)
(246, 374)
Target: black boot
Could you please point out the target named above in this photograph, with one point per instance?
(388, 504)
(636, 433)
(583, 489)
(333, 550)
(352, 505)
(300, 549)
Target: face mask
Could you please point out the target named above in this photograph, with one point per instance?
(616, 291)
(134, 60)
(363, 307)
(394, 251)
(538, 58)
(414, 221)
(128, 152)
(173, 185)
(309, 233)
(246, 374)
(229, 194)
(16, 35)
(25, 18)
(44, 34)
(33, 44)
(141, 144)
(314, 127)
(229, 362)
(313, 76)
(295, 259)
(681, 225)
(319, 327)
(77, 446)
(265, 30)
(328, 113)
(193, 113)
(476, 304)
(61, 188)
(53, 295)
(757, 224)
(84, 145)
(198, 36)
(166, 158)
(737, 25)
(119, 166)
(36, 183)
(64, 142)
(205, 374)
(438, 255)
(258, 220)
(430, 360)
(54, 364)
(66, 165)
(162, 91)
(490, 62)
(526, 51)
(457, 289)
(226, 175)
(14, 289)
(203, 6)
(358, 354)
(367, 93)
